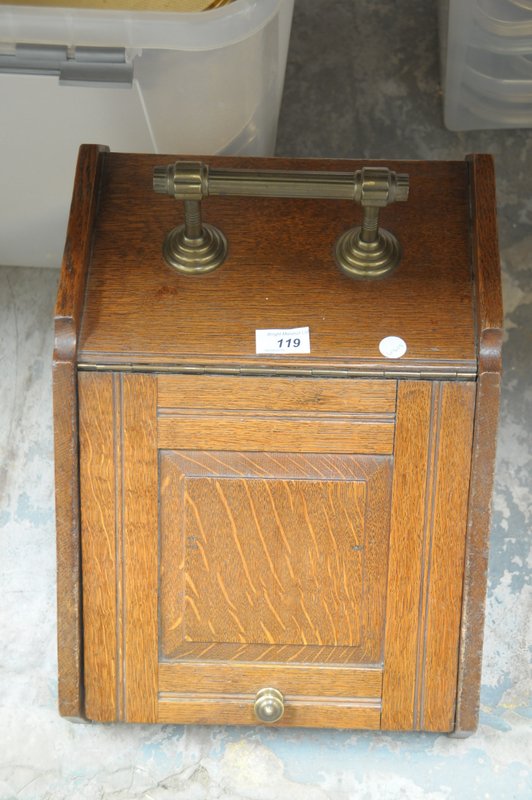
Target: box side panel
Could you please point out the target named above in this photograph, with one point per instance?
(67, 321)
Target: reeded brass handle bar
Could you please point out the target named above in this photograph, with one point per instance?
(362, 252)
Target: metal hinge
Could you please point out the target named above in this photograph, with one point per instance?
(431, 375)
(269, 372)
(107, 65)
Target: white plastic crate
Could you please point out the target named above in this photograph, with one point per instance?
(139, 81)
(486, 48)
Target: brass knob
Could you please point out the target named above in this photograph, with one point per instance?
(367, 251)
(269, 705)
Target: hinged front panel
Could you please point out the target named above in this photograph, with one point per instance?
(309, 549)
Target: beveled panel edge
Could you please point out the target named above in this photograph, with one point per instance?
(236, 697)
(252, 654)
(318, 436)
(362, 680)
(366, 469)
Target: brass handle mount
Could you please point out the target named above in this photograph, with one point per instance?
(365, 251)
(269, 705)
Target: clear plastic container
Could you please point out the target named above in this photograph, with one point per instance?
(205, 83)
(486, 49)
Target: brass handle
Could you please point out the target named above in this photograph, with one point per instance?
(362, 252)
(269, 705)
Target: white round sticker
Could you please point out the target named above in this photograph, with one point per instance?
(392, 347)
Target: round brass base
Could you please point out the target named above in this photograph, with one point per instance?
(367, 260)
(195, 256)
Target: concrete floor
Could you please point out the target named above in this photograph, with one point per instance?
(362, 81)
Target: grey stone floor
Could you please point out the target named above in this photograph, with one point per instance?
(362, 81)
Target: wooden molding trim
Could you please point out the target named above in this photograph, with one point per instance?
(74, 267)
(476, 554)
(485, 258)
(485, 255)
(434, 431)
(65, 404)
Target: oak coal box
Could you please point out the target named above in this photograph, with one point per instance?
(287, 527)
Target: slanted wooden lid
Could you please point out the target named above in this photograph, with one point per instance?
(281, 273)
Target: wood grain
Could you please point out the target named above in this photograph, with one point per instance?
(119, 535)
(407, 533)
(279, 585)
(69, 619)
(443, 580)
(476, 555)
(486, 263)
(425, 576)
(320, 434)
(285, 654)
(315, 712)
(283, 543)
(281, 560)
(140, 521)
(280, 273)
(486, 268)
(75, 264)
(99, 487)
(281, 394)
(66, 329)
(222, 678)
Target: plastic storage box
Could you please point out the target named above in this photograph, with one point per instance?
(141, 81)
(486, 48)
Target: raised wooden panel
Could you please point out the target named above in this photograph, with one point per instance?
(315, 712)
(273, 556)
(141, 527)
(406, 537)
(100, 486)
(432, 462)
(119, 498)
(324, 697)
(319, 433)
(284, 415)
(444, 581)
(278, 586)
(208, 678)
(289, 394)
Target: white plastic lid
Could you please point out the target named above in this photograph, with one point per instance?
(138, 29)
